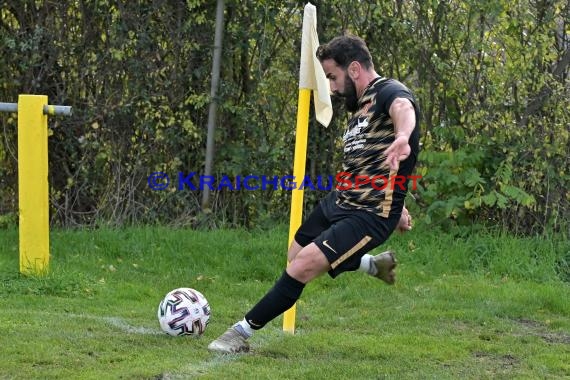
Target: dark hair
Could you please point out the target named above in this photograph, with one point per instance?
(344, 50)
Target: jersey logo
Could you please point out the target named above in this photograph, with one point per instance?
(362, 124)
(326, 244)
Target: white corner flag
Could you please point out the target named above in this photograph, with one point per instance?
(311, 74)
(311, 78)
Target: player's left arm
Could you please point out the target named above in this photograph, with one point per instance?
(403, 117)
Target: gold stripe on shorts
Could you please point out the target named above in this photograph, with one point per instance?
(351, 251)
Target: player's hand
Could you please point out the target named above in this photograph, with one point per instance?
(405, 223)
(398, 151)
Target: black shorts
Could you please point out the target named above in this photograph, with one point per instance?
(345, 235)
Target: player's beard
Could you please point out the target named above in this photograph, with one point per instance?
(349, 95)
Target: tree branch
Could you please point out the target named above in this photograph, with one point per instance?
(538, 102)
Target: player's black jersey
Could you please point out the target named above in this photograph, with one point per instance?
(369, 133)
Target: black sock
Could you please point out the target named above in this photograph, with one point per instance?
(279, 299)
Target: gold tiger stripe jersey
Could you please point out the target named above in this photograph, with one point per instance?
(370, 131)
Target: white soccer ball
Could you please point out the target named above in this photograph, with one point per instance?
(184, 311)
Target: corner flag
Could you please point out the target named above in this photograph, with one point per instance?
(311, 73)
(311, 78)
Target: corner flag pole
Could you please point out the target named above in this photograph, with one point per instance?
(299, 162)
(311, 78)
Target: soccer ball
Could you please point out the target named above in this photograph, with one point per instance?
(184, 311)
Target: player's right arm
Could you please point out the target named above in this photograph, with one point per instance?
(404, 119)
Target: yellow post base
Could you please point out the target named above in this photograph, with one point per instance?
(33, 184)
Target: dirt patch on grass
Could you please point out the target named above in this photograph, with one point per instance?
(556, 338)
(502, 362)
(528, 322)
(536, 328)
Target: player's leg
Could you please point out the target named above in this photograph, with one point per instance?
(286, 290)
(312, 227)
(308, 264)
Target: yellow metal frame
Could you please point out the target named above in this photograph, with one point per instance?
(33, 184)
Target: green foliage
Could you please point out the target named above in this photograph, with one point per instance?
(461, 185)
(491, 78)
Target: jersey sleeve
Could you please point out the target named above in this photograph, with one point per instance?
(392, 90)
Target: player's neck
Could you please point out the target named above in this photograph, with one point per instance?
(365, 82)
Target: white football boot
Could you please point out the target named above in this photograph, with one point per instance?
(230, 342)
(385, 264)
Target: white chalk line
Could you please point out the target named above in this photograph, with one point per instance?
(113, 321)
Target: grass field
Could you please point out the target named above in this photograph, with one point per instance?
(468, 304)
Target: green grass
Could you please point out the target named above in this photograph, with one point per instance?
(468, 304)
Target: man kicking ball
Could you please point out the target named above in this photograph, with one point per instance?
(382, 139)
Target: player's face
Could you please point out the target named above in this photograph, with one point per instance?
(341, 84)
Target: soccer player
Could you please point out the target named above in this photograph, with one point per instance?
(381, 139)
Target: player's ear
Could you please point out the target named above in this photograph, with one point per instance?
(353, 70)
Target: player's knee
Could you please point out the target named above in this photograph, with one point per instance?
(308, 264)
(294, 249)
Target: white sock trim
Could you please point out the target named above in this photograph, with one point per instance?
(244, 328)
(365, 263)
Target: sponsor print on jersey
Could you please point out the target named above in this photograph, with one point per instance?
(352, 138)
